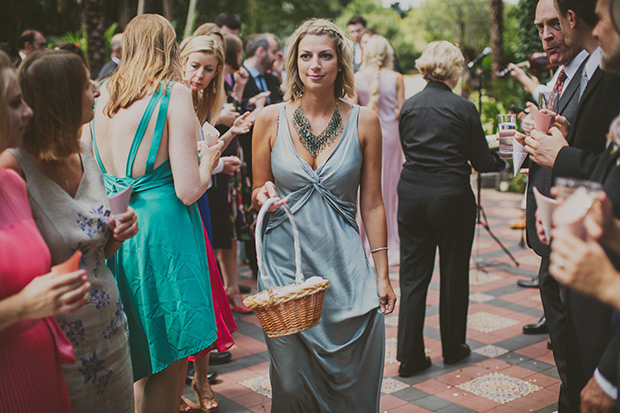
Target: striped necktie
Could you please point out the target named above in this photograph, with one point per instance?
(557, 90)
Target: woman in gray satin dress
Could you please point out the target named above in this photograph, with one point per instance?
(338, 365)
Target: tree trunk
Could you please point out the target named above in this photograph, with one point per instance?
(189, 24)
(140, 7)
(168, 6)
(95, 34)
(497, 28)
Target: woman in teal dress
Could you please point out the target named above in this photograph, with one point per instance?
(336, 366)
(145, 134)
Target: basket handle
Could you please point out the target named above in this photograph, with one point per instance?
(299, 277)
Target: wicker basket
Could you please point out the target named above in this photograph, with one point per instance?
(291, 309)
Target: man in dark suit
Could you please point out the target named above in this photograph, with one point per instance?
(575, 260)
(571, 59)
(261, 52)
(29, 41)
(589, 322)
(116, 50)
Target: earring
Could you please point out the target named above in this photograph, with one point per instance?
(214, 88)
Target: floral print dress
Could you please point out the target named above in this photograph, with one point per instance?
(101, 380)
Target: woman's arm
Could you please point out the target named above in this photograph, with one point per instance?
(371, 204)
(241, 125)
(44, 296)
(191, 178)
(400, 93)
(263, 139)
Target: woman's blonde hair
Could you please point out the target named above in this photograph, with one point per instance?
(53, 84)
(210, 29)
(5, 68)
(210, 99)
(345, 82)
(440, 61)
(150, 57)
(378, 54)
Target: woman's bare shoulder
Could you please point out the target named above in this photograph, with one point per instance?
(268, 114)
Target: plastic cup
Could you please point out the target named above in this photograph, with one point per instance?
(571, 213)
(507, 126)
(565, 186)
(71, 265)
(545, 207)
(543, 121)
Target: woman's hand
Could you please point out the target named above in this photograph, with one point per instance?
(242, 124)
(209, 156)
(228, 115)
(268, 190)
(231, 164)
(387, 297)
(54, 293)
(124, 226)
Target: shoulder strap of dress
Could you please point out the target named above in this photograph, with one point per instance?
(92, 133)
(144, 122)
(159, 127)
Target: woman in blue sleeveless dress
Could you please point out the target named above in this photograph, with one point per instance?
(338, 365)
(145, 134)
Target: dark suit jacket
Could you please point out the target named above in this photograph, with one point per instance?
(596, 344)
(251, 90)
(540, 177)
(587, 158)
(599, 105)
(106, 70)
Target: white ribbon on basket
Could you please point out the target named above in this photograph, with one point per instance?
(267, 281)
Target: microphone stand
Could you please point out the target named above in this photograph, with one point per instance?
(481, 216)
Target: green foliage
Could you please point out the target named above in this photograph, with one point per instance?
(78, 38)
(391, 23)
(528, 40)
(463, 22)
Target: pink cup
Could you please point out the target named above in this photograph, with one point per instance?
(542, 120)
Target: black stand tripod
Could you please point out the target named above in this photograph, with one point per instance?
(481, 218)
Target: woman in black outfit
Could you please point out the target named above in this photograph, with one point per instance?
(440, 133)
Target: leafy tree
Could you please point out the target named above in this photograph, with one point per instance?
(528, 41)
(463, 22)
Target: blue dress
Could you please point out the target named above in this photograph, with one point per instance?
(336, 366)
(162, 272)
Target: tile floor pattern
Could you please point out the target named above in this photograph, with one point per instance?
(506, 372)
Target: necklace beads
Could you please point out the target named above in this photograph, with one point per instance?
(316, 143)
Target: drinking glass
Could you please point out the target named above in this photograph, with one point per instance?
(546, 99)
(566, 186)
(507, 125)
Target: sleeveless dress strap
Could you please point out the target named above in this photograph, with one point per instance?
(92, 133)
(159, 128)
(139, 135)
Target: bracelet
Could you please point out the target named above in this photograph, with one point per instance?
(378, 249)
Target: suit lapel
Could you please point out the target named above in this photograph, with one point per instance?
(592, 83)
(571, 89)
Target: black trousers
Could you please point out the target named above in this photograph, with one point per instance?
(431, 217)
(554, 306)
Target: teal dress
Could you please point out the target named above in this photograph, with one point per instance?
(162, 272)
(336, 366)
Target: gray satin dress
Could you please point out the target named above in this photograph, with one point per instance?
(336, 366)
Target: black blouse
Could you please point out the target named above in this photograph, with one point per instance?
(440, 132)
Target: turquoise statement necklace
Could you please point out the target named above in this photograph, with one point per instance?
(316, 144)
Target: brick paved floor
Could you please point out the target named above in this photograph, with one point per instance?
(507, 371)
